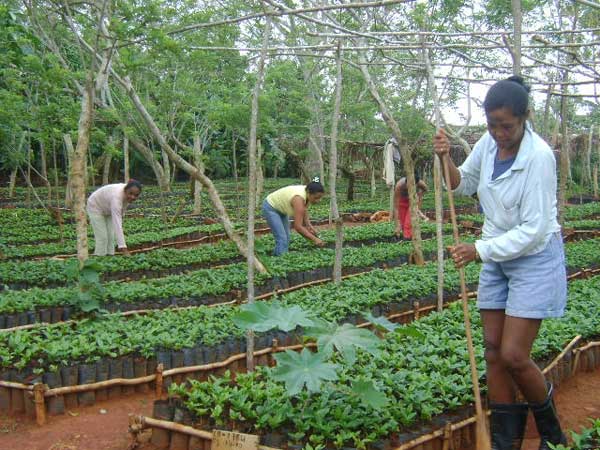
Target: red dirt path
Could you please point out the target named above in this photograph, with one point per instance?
(577, 399)
(88, 429)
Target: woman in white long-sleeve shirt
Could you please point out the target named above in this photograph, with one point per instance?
(105, 208)
(523, 278)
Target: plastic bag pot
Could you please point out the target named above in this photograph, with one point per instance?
(140, 370)
(128, 372)
(102, 371)
(87, 374)
(162, 410)
(57, 314)
(4, 393)
(45, 315)
(69, 378)
(178, 361)
(11, 320)
(17, 402)
(56, 404)
(115, 370)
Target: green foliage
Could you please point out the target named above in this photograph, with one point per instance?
(303, 369)
(265, 316)
(89, 295)
(588, 439)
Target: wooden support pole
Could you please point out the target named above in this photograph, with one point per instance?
(159, 380)
(40, 407)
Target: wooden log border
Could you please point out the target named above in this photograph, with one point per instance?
(460, 434)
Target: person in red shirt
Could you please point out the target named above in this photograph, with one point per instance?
(402, 204)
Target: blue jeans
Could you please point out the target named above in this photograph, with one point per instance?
(280, 227)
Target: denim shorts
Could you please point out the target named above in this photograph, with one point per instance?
(531, 287)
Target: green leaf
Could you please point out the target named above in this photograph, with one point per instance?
(265, 316)
(345, 338)
(308, 369)
(384, 324)
(90, 276)
(366, 391)
(380, 322)
(72, 269)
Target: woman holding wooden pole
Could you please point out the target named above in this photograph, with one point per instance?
(523, 278)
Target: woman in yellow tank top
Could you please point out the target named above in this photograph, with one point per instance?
(292, 201)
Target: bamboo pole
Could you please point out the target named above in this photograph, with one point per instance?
(578, 351)
(482, 434)
(561, 355)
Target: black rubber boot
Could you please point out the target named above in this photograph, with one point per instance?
(547, 422)
(507, 425)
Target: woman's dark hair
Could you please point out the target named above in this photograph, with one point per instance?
(133, 183)
(417, 177)
(511, 93)
(315, 186)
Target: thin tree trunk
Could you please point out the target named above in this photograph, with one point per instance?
(406, 158)
(28, 172)
(252, 187)
(595, 171)
(373, 180)
(43, 160)
(564, 159)
(12, 183)
(517, 28)
(90, 173)
(69, 151)
(78, 168)
(197, 185)
(166, 181)
(173, 174)
(437, 181)
(333, 157)
(546, 125)
(234, 160)
(107, 161)
(126, 173)
(260, 178)
(595, 180)
(588, 156)
(55, 166)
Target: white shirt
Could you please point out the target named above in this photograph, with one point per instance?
(520, 205)
(110, 201)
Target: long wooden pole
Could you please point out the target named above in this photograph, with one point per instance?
(333, 160)
(437, 182)
(252, 156)
(483, 436)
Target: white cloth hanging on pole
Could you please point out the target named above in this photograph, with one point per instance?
(390, 155)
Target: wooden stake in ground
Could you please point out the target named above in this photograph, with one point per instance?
(483, 436)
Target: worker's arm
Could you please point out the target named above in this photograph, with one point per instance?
(307, 223)
(299, 215)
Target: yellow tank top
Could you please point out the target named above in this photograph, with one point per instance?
(281, 199)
